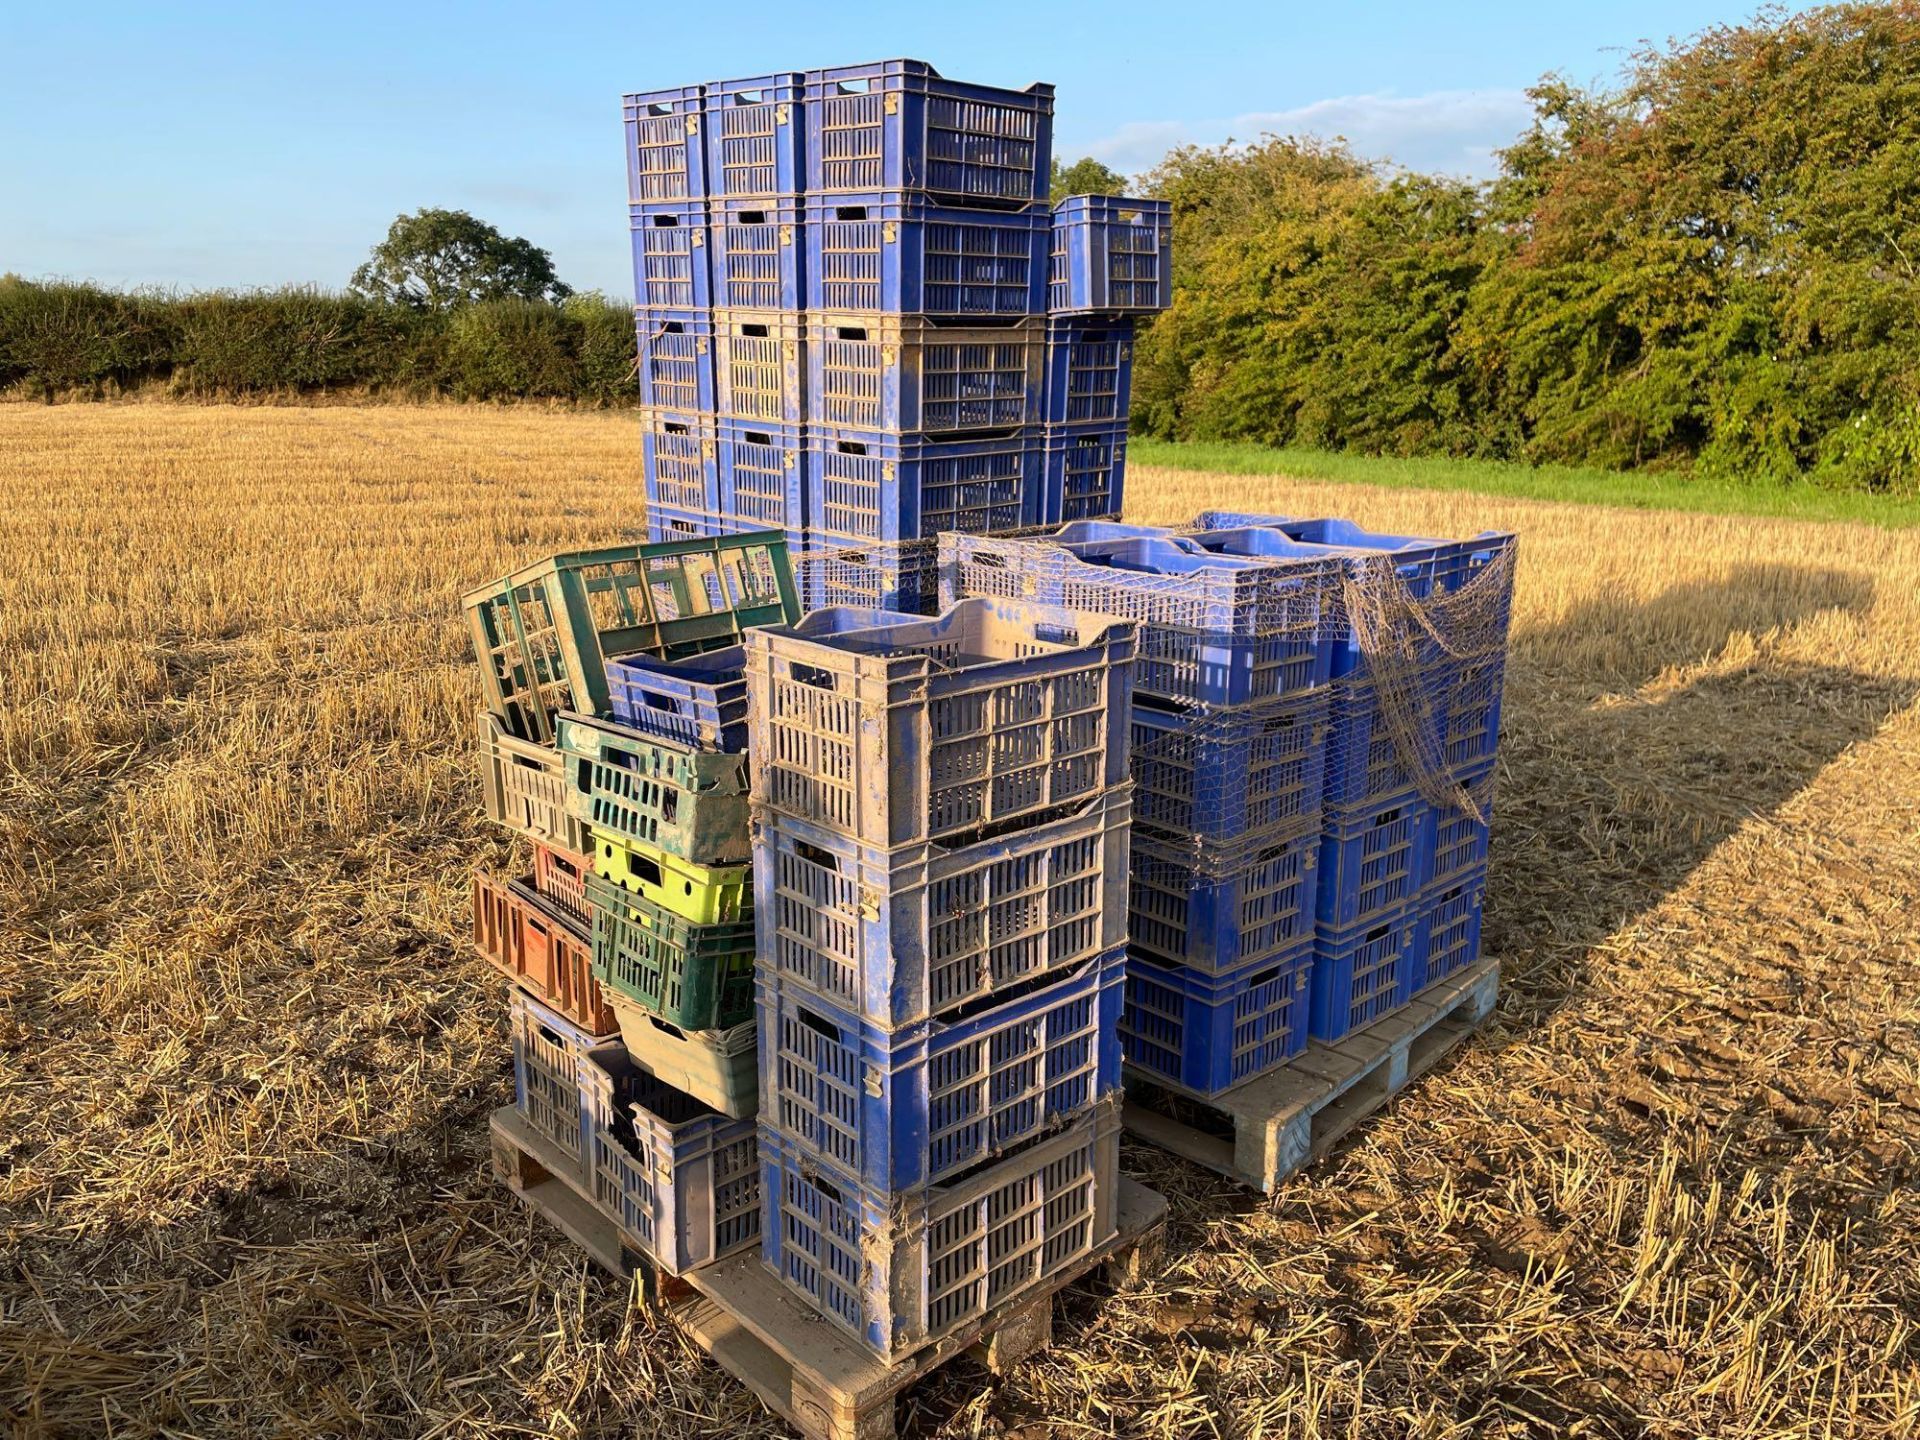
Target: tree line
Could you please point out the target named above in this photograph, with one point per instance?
(1710, 265)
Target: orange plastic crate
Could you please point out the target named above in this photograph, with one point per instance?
(539, 949)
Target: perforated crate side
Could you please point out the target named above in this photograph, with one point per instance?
(677, 1176)
(1364, 972)
(1259, 907)
(901, 1107)
(1089, 370)
(898, 575)
(1084, 472)
(674, 522)
(676, 360)
(1460, 836)
(898, 1271)
(1373, 860)
(917, 729)
(672, 267)
(1450, 928)
(524, 787)
(758, 252)
(697, 977)
(680, 461)
(704, 894)
(897, 375)
(760, 366)
(897, 936)
(1207, 1033)
(548, 1053)
(755, 130)
(909, 255)
(869, 486)
(901, 125)
(656, 792)
(763, 473)
(665, 148)
(715, 1067)
(540, 949)
(699, 701)
(1111, 255)
(560, 878)
(1228, 778)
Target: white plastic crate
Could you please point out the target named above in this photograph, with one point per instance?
(916, 729)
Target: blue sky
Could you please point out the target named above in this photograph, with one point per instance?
(265, 144)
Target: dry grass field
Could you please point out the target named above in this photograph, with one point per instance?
(246, 1054)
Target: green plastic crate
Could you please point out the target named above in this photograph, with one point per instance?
(698, 977)
(543, 634)
(689, 803)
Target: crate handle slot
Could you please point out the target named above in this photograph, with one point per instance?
(849, 212)
(852, 87)
(1386, 817)
(829, 1192)
(551, 1037)
(1056, 634)
(812, 675)
(850, 332)
(849, 447)
(1265, 977)
(756, 437)
(1378, 933)
(748, 97)
(814, 855)
(644, 868)
(819, 1024)
(660, 107)
(752, 217)
(755, 332)
(674, 1030)
(666, 222)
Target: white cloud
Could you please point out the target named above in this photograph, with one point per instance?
(1454, 132)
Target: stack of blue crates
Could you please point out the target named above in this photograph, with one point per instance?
(844, 280)
(1289, 878)
(941, 813)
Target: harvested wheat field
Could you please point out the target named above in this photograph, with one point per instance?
(247, 1053)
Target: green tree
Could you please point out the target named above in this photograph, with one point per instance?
(1086, 176)
(442, 259)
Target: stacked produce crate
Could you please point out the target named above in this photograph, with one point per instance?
(613, 739)
(843, 280)
(941, 817)
(1305, 858)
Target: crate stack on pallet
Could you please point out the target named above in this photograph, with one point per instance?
(613, 740)
(941, 814)
(843, 280)
(1301, 866)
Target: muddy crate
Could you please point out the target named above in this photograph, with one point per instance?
(540, 949)
(659, 792)
(698, 977)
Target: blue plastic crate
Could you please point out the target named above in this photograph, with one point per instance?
(1084, 472)
(1227, 777)
(677, 522)
(906, 374)
(1089, 370)
(1373, 860)
(757, 254)
(549, 1051)
(1207, 1033)
(670, 260)
(1460, 836)
(1112, 255)
(896, 1109)
(901, 575)
(762, 475)
(700, 701)
(868, 485)
(677, 451)
(676, 360)
(755, 131)
(666, 152)
(1367, 763)
(897, 934)
(1216, 924)
(1215, 630)
(908, 254)
(1365, 972)
(901, 125)
(899, 1271)
(759, 366)
(1469, 718)
(1450, 918)
(676, 1175)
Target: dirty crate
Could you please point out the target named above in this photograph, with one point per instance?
(540, 949)
(524, 787)
(666, 157)
(1227, 777)
(678, 452)
(899, 935)
(548, 1053)
(901, 125)
(907, 254)
(544, 634)
(1364, 972)
(867, 485)
(1257, 907)
(1450, 921)
(763, 476)
(758, 252)
(898, 1271)
(699, 701)
(560, 878)
(704, 894)
(755, 131)
(660, 792)
(716, 1067)
(897, 374)
(901, 575)
(1083, 472)
(760, 366)
(676, 1175)
(676, 360)
(671, 269)
(896, 1108)
(1373, 859)
(915, 728)
(1204, 1033)
(1111, 255)
(697, 977)
(1089, 374)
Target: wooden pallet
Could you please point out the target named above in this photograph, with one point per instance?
(800, 1364)
(1290, 1117)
